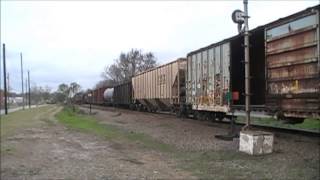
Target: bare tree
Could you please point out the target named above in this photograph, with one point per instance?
(129, 64)
(105, 83)
(65, 92)
(74, 88)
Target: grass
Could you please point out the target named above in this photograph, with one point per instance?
(310, 124)
(22, 119)
(204, 165)
(87, 123)
(5, 149)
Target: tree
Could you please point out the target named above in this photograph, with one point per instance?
(65, 92)
(62, 93)
(46, 93)
(39, 94)
(129, 64)
(105, 83)
(74, 88)
(63, 88)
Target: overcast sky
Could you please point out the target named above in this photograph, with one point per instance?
(74, 41)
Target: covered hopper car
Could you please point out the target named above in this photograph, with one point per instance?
(160, 88)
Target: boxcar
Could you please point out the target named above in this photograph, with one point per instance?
(122, 95)
(97, 95)
(292, 65)
(284, 70)
(215, 76)
(160, 88)
(79, 98)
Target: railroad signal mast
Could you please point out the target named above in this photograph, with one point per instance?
(241, 18)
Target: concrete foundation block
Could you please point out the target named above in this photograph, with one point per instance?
(256, 142)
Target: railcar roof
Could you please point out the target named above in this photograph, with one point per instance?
(268, 25)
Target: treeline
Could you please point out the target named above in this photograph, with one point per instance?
(65, 93)
(41, 95)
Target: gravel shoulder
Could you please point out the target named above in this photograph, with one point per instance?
(294, 157)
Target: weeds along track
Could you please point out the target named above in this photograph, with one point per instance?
(238, 125)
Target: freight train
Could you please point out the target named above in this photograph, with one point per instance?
(209, 82)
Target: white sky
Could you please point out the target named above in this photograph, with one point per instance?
(74, 40)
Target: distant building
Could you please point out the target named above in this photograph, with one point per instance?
(15, 100)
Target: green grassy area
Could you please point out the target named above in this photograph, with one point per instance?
(87, 123)
(310, 124)
(22, 119)
(203, 164)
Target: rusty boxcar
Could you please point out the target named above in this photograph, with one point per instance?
(284, 70)
(292, 65)
(97, 95)
(160, 88)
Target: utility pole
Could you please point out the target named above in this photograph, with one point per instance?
(247, 63)
(5, 79)
(26, 94)
(0, 92)
(22, 92)
(8, 91)
(29, 89)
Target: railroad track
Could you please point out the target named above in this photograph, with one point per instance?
(238, 125)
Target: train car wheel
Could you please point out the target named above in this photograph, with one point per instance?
(292, 120)
(196, 115)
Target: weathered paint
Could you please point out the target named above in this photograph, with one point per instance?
(159, 87)
(210, 79)
(97, 95)
(292, 59)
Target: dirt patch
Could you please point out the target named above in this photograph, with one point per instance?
(51, 151)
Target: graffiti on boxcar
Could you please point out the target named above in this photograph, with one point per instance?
(217, 93)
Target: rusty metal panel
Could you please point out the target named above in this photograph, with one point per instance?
(293, 72)
(194, 77)
(298, 56)
(217, 76)
(211, 62)
(198, 77)
(97, 95)
(300, 71)
(292, 42)
(189, 80)
(226, 73)
(204, 80)
(292, 26)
